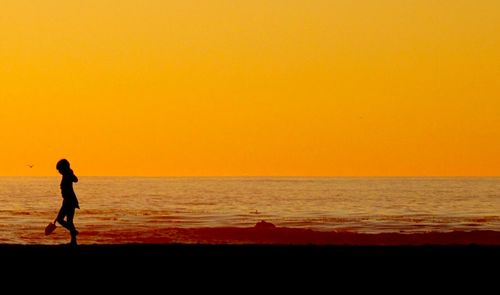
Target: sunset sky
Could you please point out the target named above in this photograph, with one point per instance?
(250, 87)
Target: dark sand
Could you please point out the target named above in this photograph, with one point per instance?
(287, 236)
(251, 268)
(254, 257)
(243, 257)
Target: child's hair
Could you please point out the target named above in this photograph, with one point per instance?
(62, 165)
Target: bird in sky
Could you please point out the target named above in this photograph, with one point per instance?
(31, 165)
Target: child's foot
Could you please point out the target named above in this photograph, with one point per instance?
(73, 241)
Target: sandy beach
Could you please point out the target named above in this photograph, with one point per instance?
(289, 236)
(254, 267)
(241, 247)
(258, 258)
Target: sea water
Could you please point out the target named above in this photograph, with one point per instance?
(364, 205)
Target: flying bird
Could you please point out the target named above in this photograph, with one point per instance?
(31, 166)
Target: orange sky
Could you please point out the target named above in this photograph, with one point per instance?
(261, 87)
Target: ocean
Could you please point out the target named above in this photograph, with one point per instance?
(139, 204)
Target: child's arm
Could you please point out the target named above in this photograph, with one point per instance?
(75, 179)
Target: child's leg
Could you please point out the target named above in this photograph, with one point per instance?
(71, 226)
(69, 213)
(69, 221)
(61, 215)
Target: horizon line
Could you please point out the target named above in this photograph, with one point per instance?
(277, 176)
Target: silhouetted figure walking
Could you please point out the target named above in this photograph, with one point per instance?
(70, 202)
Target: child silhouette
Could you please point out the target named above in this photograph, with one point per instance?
(70, 202)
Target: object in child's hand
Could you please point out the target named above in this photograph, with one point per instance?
(50, 228)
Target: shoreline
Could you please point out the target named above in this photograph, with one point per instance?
(286, 236)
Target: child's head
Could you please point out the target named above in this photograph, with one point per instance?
(62, 166)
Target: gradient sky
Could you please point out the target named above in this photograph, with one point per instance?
(250, 87)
